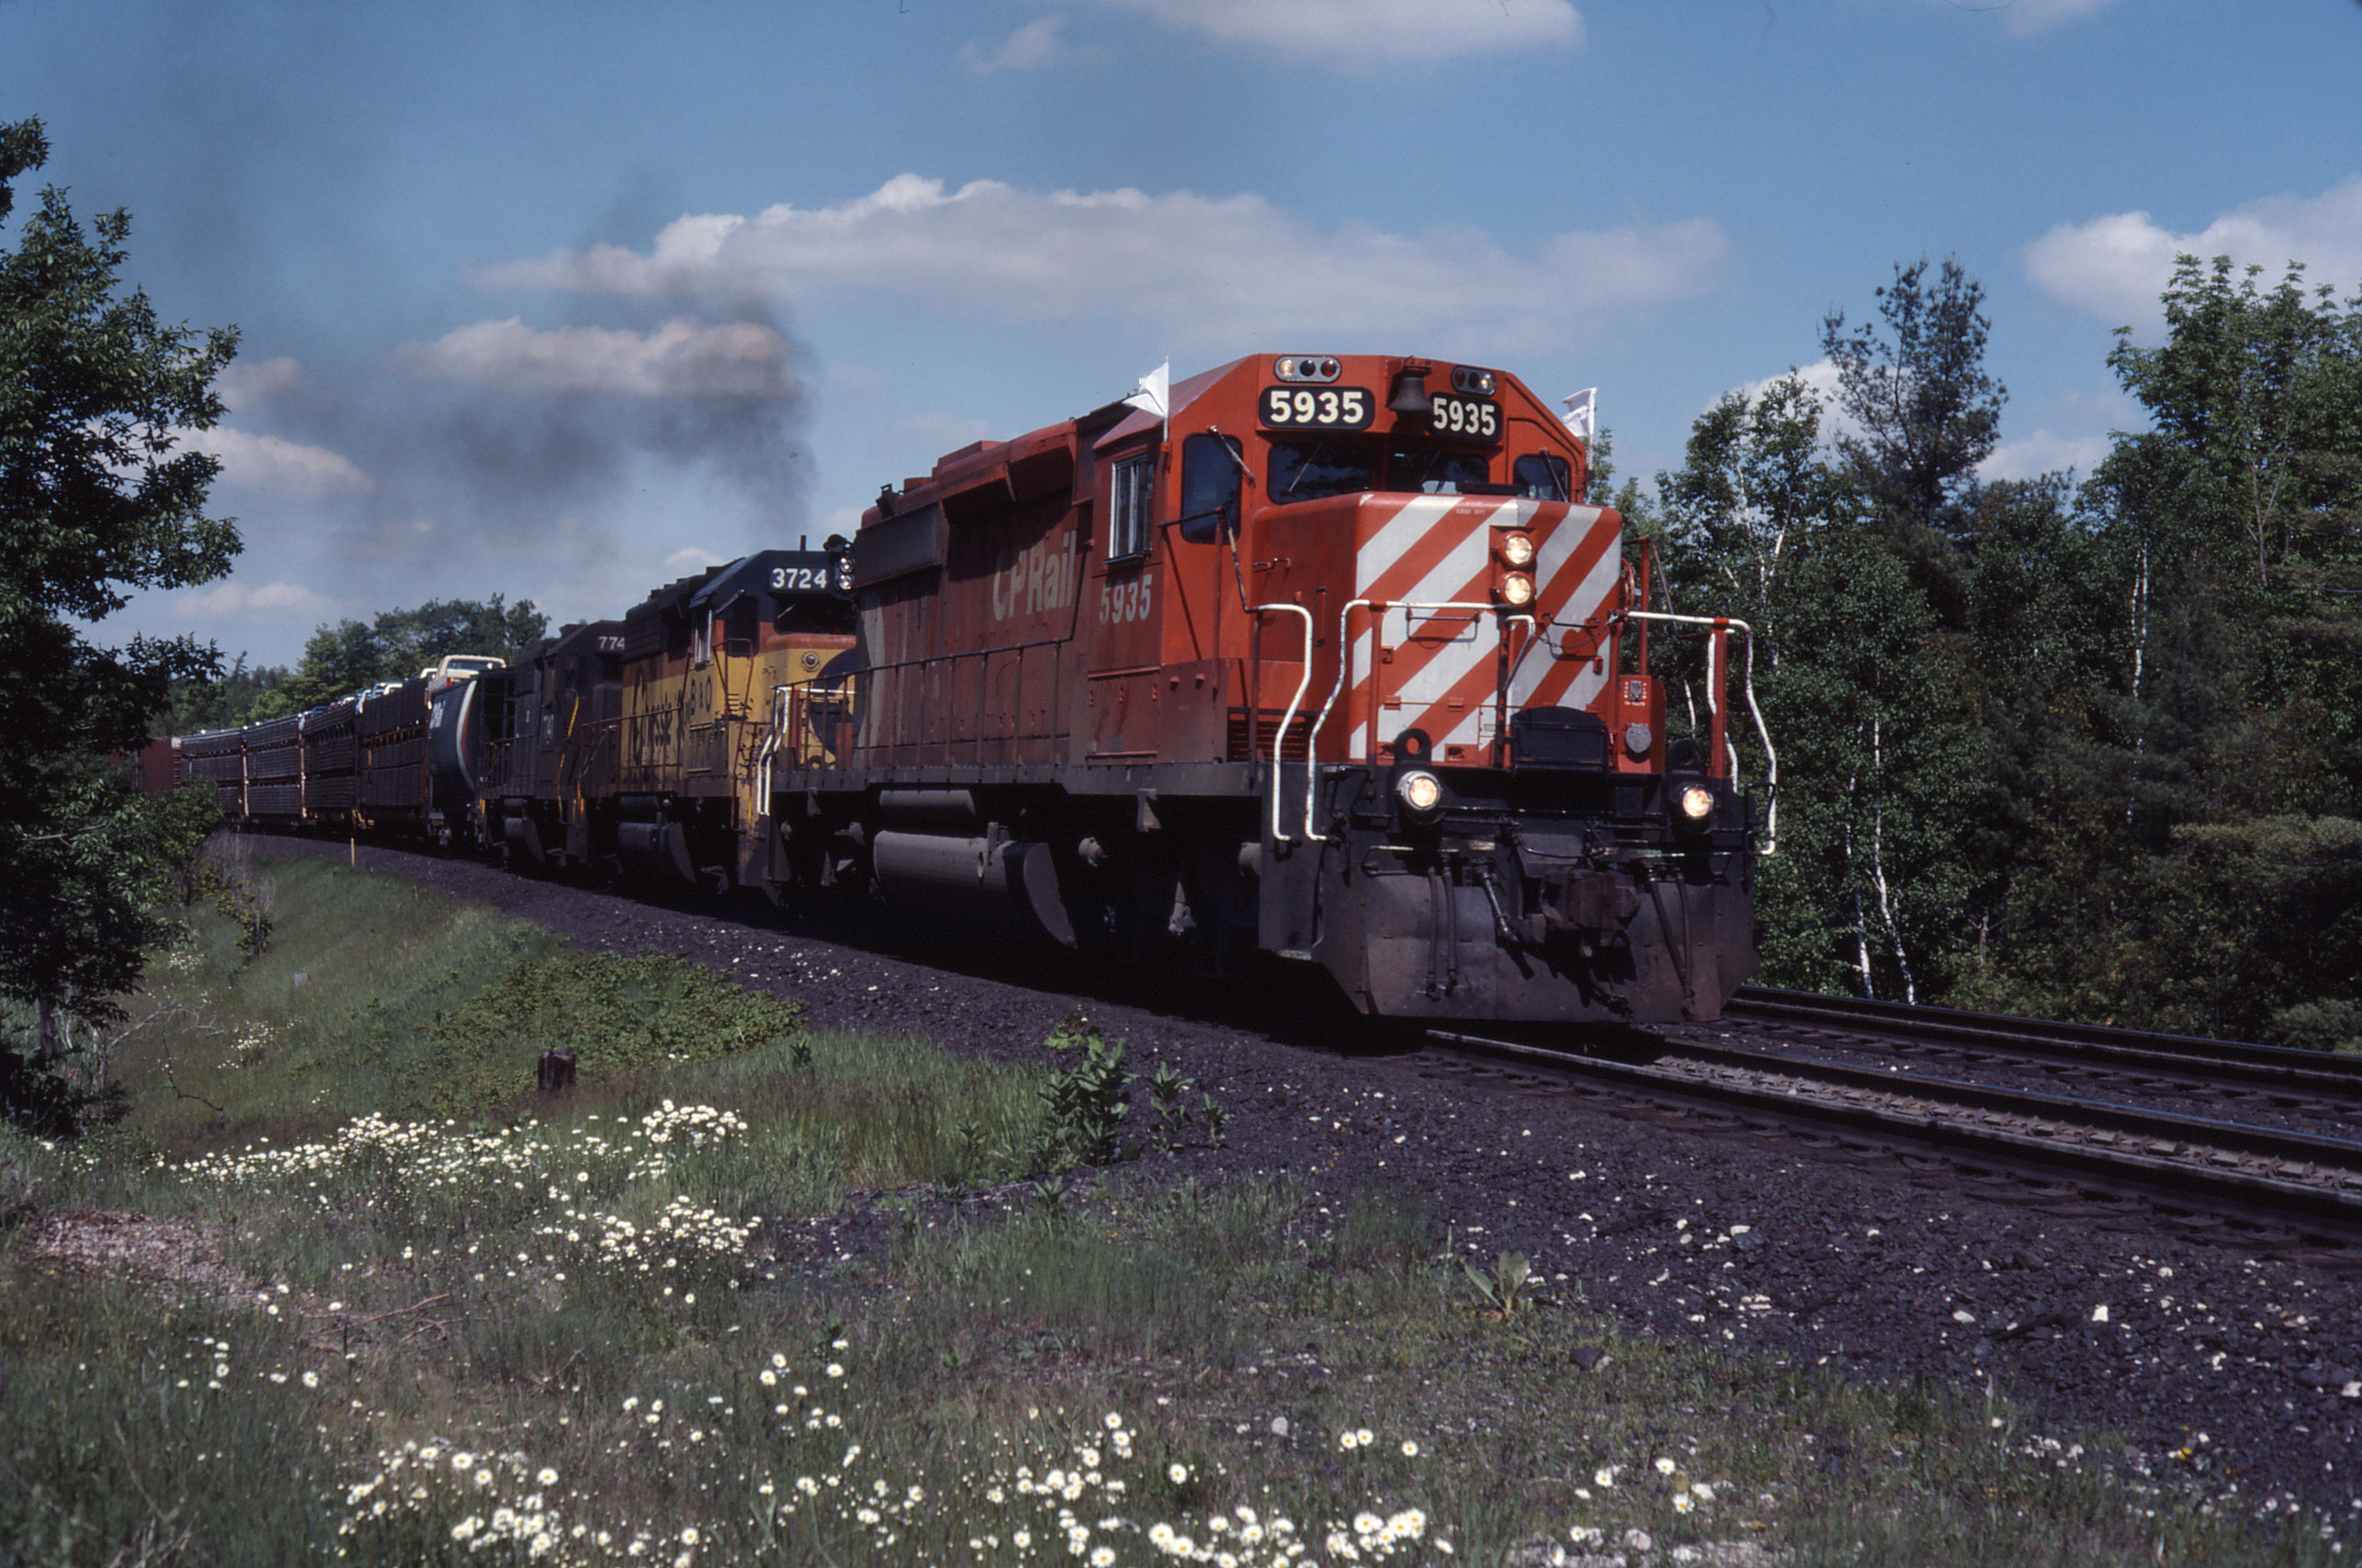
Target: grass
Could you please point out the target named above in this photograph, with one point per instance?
(784, 1298)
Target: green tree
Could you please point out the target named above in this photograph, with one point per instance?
(414, 639)
(1881, 767)
(352, 656)
(1861, 688)
(208, 703)
(97, 497)
(2241, 507)
(1755, 489)
(1924, 413)
(2045, 655)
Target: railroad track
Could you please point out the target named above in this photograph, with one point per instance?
(2305, 1081)
(2183, 1168)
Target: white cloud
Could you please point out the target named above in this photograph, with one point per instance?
(1353, 33)
(1233, 272)
(695, 558)
(1034, 44)
(245, 386)
(1820, 376)
(278, 466)
(2116, 266)
(2043, 452)
(680, 359)
(2027, 18)
(291, 599)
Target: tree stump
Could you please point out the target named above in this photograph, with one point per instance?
(557, 1070)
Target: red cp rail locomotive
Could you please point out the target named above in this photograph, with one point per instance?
(1324, 663)
(1327, 661)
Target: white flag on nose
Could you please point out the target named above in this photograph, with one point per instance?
(1582, 412)
(1154, 390)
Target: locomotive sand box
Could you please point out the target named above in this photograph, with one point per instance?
(1310, 660)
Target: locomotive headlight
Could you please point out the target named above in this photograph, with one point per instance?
(1517, 549)
(1516, 589)
(1697, 802)
(1420, 791)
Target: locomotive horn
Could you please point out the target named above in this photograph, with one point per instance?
(1410, 393)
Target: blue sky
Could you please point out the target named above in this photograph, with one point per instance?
(561, 300)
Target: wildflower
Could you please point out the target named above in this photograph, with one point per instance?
(1410, 1449)
(311, 1380)
(1102, 1556)
(463, 1461)
(1365, 1436)
(1178, 1472)
(1367, 1523)
(1114, 1421)
(1349, 1440)
(835, 1369)
(689, 1532)
(1664, 1467)
(1603, 1476)
(1683, 1502)
(548, 1477)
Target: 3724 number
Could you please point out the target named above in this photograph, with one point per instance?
(796, 580)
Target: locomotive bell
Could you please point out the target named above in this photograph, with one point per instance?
(1409, 393)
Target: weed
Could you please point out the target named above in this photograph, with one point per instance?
(1508, 1289)
(1083, 1107)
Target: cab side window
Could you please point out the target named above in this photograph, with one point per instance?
(1542, 476)
(1210, 488)
(1133, 483)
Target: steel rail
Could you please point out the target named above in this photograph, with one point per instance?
(2273, 1067)
(2328, 1210)
(2170, 1129)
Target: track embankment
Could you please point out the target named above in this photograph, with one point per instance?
(2216, 1344)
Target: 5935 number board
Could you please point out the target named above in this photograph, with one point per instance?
(1474, 417)
(1316, 408)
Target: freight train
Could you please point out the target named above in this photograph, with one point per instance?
(1318, 663)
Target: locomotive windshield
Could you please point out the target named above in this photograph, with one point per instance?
(1342, 465)
(1307, 470)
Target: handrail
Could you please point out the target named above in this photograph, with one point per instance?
(771, 742)
(1279, 742)
(1763, 731)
